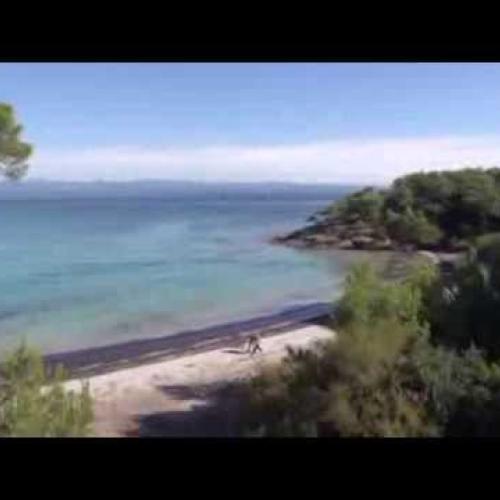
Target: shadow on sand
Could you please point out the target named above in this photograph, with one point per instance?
(216, 416)
(214, 410)
(235, 351)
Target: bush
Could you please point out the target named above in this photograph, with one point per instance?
(32, 404)
(413, 228)
(362, 385)
(405, 362)
(368, 298)
(467, 311)
(365, 205)
(463, 391)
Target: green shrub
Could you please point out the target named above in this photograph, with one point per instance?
(33, 404)
(413, 227)
(405, 362)
(462, 390)
(360, 385)
(368, 297)
(373, 393)
(467, 309)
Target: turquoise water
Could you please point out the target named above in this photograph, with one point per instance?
(86, 272)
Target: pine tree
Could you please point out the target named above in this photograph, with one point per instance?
(14, 153)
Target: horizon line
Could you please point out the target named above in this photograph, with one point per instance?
(30, 180)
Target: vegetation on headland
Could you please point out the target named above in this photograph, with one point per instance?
(441, 211)
(418, 357)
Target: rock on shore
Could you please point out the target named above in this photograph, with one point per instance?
(357, 235)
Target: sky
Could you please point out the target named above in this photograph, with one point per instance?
(246, 122)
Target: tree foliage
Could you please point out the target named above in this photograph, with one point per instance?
(413, 227)
(393, 371)
(14, 153)
(365, 205)
(33, 404)
(467, 311)
(357, 386)
(427, 210)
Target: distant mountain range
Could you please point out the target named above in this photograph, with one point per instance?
(41, 189)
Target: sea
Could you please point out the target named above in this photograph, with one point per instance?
(92, 264)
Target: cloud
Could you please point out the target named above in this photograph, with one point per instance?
(340, 161)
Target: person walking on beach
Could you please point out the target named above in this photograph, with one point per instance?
(254, 343)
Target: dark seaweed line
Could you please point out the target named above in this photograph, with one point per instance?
(91, 361)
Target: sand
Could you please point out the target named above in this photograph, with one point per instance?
(179, 397)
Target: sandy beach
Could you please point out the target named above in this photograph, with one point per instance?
(183, 396)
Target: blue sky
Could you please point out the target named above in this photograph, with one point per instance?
(254, 122)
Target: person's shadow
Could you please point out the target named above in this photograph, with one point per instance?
(235, 351)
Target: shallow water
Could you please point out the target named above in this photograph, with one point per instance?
(87, 272)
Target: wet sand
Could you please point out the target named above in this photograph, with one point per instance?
(92, 361)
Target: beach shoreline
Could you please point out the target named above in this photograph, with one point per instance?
(194, 394)
(93, 361)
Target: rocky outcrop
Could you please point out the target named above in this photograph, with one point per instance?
(356, 235)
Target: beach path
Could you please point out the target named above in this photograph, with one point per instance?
(182, 396)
